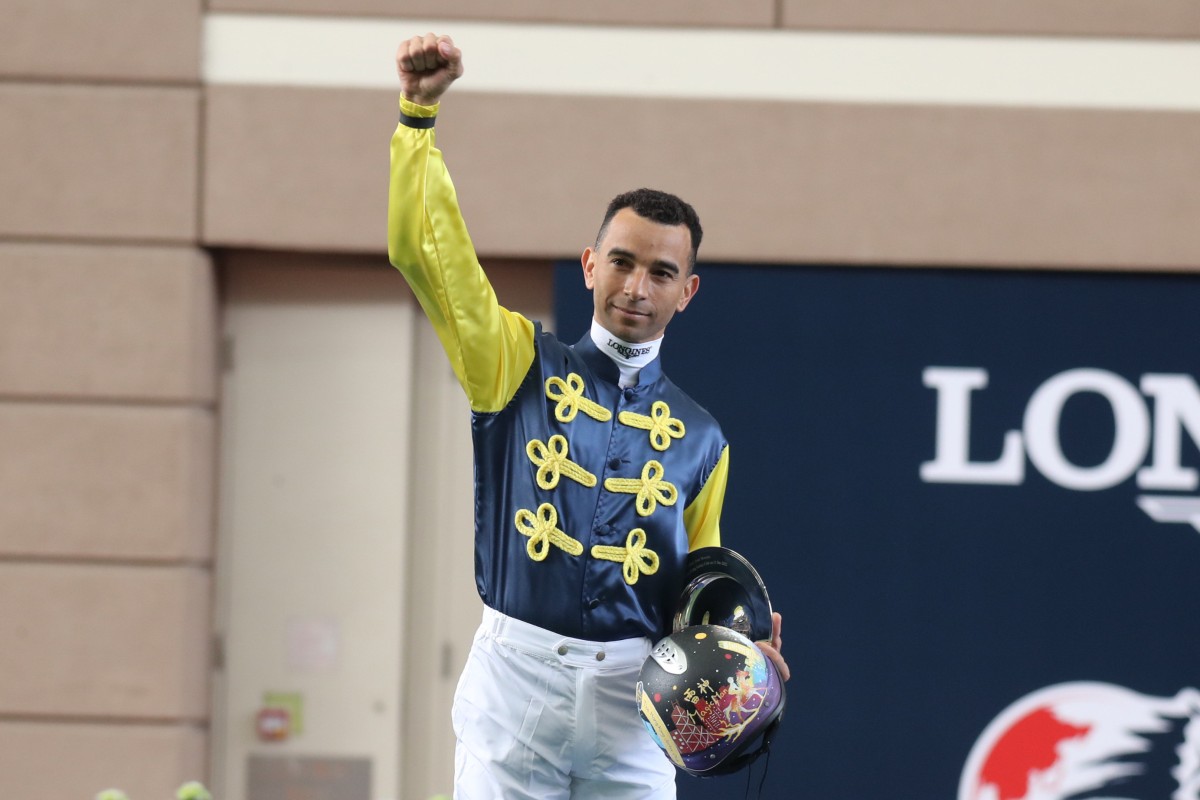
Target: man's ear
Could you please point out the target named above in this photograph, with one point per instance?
(690, 287)
(588, 261)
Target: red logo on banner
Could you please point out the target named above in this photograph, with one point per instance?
(1088, 740)
(1029, 747)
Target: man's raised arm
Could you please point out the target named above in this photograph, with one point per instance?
(489, 347)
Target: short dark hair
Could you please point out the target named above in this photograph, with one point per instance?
(660, 207)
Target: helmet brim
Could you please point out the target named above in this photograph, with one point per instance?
(722, 588)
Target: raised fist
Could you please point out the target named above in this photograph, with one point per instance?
(427, 65)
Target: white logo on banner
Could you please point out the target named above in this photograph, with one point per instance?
(1088, 740)
(1149, 419)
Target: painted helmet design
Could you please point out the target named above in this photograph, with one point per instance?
(710, 699)
(722, 588)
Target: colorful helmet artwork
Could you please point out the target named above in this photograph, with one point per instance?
(710, 699)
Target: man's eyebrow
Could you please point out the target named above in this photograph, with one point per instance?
(660, 263)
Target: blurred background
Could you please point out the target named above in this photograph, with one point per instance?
(946, 318)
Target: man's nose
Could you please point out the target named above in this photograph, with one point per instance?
(635, 284)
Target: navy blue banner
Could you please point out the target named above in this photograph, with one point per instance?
(973, 496)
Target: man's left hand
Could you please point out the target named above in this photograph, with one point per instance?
(773, 647)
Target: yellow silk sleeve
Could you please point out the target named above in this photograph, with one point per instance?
(702, 517)
(490, 348)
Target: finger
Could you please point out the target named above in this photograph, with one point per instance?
(411, 57)
(449, 55)
(428, 59)
(777, 659)
(404, 56)
(417, 51)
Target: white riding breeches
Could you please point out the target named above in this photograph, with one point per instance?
(543, 716)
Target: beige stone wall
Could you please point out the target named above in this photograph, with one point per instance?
(107, 387)
(774, 182)
(703, 13)
(1169, 18)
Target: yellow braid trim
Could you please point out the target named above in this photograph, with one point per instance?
(550, 458)
(569, 397)
(650, 489)
(542, 530)
(635, 558)
(662, 426)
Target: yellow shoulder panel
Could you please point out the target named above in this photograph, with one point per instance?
(702, 517)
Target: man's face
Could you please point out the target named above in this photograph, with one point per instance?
(639, 275)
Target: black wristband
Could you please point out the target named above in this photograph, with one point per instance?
(416, 122)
